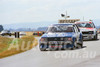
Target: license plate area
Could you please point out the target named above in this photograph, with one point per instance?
(56, 42)
(53, 42)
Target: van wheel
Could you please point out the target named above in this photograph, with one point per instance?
(96, 37)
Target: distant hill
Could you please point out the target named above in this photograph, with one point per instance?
(22, 29)
(29, 29)
(42, 28)
(31, 25)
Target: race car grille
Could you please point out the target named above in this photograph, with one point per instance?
(56, 39)
(88, 32)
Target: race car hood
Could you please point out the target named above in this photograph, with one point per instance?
(87, 29)
(58, 35)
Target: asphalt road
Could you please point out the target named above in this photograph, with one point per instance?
(88, 56)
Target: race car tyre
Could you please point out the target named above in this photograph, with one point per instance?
(42, 49)
(79, 45)
(73, 48)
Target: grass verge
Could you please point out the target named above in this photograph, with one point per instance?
(10, 46)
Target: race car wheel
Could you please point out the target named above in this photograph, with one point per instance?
(79, 45)
(74, 46)
(42, 49)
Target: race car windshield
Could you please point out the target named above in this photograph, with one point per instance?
(87, 25)
(60, 29)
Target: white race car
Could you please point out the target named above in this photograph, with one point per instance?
(88, 29)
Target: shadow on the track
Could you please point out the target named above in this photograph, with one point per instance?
(91, 40)
(67, 49)
(81, 48)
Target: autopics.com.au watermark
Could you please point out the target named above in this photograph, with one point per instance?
(78, 54)
(75, 54)
(57, 54)
(23, 46)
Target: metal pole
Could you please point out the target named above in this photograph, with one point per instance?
(66, 17)
(17, 35)
(83, 18)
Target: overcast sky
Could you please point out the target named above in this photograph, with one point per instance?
(17, 11)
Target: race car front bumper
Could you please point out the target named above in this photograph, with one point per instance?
(56, 44)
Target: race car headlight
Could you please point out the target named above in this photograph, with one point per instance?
(43, 39)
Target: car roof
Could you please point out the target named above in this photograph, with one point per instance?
(83, 22)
